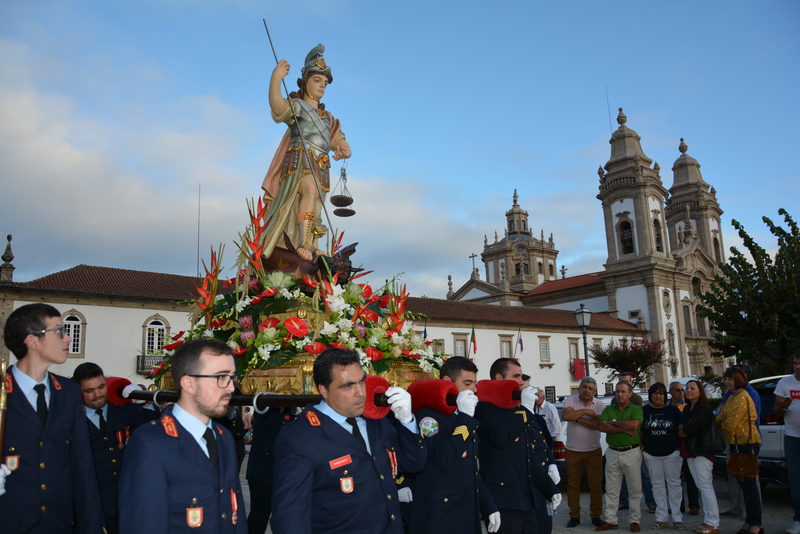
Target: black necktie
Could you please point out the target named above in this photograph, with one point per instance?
(41, 403)
(356, 430)
(211, 444)
(99, 412)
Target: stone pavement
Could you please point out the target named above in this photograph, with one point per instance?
(777, 511)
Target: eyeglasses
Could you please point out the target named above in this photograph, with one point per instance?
(222, 380)
(58, 330)
(676, 390)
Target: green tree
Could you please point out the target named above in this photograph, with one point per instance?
(636, 358)
(755, 307)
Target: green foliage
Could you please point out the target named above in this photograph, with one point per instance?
(636, 358)
(713, 381)
(755, 307)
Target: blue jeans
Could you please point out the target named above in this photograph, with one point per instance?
(791, 446)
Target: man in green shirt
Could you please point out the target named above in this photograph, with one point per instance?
(621, 422)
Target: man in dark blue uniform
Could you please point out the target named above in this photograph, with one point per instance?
(511, 466)
(180, 472)
(51, 487)
(449, 491)
(261, 465)
(110, 427)
(334, 469)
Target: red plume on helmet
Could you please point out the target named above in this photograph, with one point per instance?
(432, 394)
(375, 384)
(499, 392)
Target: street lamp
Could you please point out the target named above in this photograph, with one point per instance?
(583, 317)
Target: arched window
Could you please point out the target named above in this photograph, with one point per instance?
(626, 237)
(510, 226)
(526, 269)
(687, 318)
(155, 336)
(717, 252)
(524, 225)
(518, 268)
(73, 327)
(550, 269)
(696, 286)
(541, 268)
(657, 233)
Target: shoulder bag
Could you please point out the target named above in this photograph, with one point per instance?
(743, 465)
(709, 443)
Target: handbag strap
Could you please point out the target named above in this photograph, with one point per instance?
(748, 401)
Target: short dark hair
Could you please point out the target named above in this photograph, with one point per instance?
(739, 380)
(500, 366)
(22, 323)
(702, 388)
(453, 366)
(630, 387)
(525, 377)
(658, 387)
(85, 371)
(186, 358)
(794, 356)
(323, 365)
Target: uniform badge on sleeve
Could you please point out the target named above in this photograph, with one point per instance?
(194, 517)
(313, 420)
(462, 431)
(169, 427)
(346, 484)
(12, 462)
(428, 427)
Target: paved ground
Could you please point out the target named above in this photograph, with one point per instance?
(777, 511)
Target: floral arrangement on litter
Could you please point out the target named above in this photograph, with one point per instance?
(246, 313)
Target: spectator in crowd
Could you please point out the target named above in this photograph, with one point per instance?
(662, 453)
(548, 412)
(647, 487)
(582, 413)
(788, 391)
(676, 394)
(696, 417)
(735, 499)
(622, 422)
(737, 420)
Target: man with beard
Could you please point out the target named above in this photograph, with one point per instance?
(109, 430)
(180, 472)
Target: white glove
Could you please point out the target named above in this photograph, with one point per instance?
(4, 472)
(555, 501)
(494, 522)
(400, 401)
(404, 495)
(552, 470)
(132, 387)
(528, 397)
(466, 402)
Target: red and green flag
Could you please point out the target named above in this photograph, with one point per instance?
(474, 341)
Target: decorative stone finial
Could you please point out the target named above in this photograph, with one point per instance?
(563, 271)
(683, 147)
(7, 270)
(621, 118)
(601, 173)
(516, 197)
(656, 167)
(449, 286)
(8, 256)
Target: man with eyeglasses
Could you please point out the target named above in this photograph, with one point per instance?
(110, 428)
(47, 480)
(180, 472)
(676, 393)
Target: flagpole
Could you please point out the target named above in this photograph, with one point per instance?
(519, 329)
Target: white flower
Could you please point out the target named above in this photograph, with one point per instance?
(208, 333)
(329, 329)
(372, 341)
(345, 324)
(397, 339)
(233, 345)
(219, 298)
(406, 327)
(285, 293)
(338, 290)
(365, 361)
(242, 304)
(425, 365)
(336, 304)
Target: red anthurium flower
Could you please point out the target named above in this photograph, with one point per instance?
(269, 322)
(337, 345)
(384, 301)
(408, 353)
(216, 323)
(314, 348)
(374, 354)
(366, 291)
(173, 346)
(239, 351)
(256, 299)
(178, 335)
(369, 315)
(269, 292)
(296, 326)
(309, 282)
(428, 342)
(155, 371)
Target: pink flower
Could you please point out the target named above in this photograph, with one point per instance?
(246, 321)
(246, 336)
(361, 329)
(253, 284)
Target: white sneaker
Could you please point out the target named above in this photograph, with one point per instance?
(794, 529)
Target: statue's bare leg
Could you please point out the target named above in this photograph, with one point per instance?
(306, 217)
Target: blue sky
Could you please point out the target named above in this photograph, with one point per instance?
(112, 114)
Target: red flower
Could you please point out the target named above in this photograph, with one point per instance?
(374, 354)
(366, 291)
(269, 322)
(296, 326)
(369, 315)
(216, 323)
(315, 348)
(155, 371)
(337, 345)
(173, 346)
(406, 352)
(385, 300)
(269, 292)
(309, 282)
(179, 335)
(239, 351)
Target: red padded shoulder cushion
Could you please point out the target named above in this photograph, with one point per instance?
(375, 384)
(498, 392)
(432, 394)
(114, 386)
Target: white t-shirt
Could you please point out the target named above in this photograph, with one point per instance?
(580, 438)
(789, 388)
(550, 414)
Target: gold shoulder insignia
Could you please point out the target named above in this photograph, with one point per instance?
(9, 383)
(169, 426)
(462, 431)
(524, 415)
(55, 381)
(313, 420)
